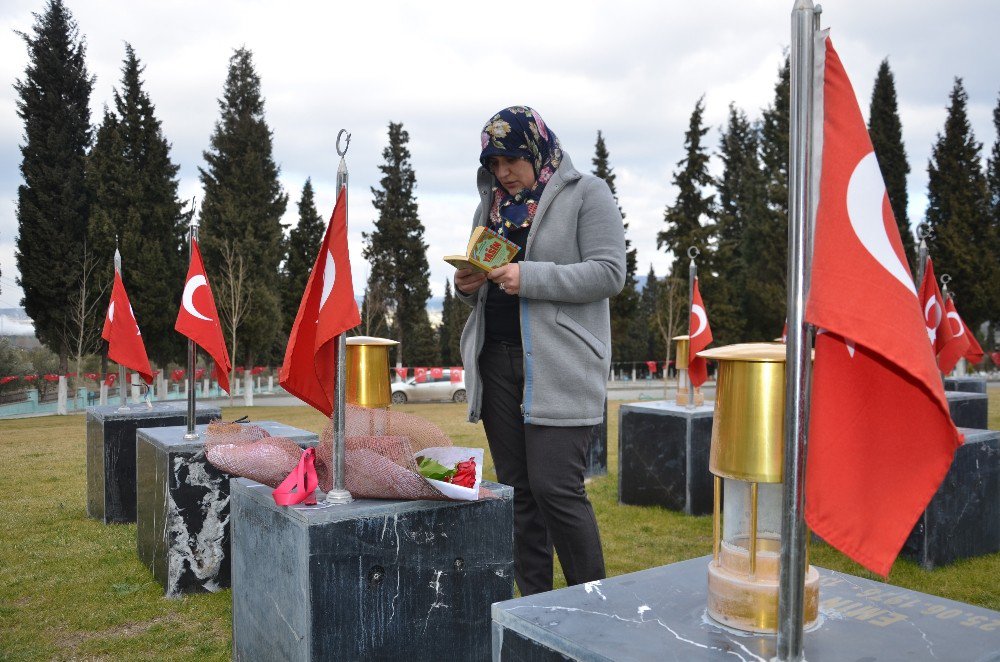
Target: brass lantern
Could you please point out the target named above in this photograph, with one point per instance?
(746, 458)
(368, 371)
(687, 394)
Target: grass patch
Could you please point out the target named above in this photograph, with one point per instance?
(71, 587)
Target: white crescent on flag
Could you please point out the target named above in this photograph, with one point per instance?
(329, 278)
(111, 312)
(957, 325)
(699, 312)
(865, 195)
(932, 308)
(187, 300)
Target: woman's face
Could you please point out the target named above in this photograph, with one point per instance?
(513, 174)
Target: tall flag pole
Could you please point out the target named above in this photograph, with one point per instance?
(121, 330)
(801, 211)
(192, 355)
(699, 335)
(922, 233)
(692, 253)
(122, 390)
(338, 494)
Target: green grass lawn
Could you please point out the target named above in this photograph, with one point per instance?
(73, 588)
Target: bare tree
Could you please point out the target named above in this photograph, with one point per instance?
(82, 328)
(235, 290)
(376, 311)
(670, 309)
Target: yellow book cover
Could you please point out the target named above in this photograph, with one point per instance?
(486, 251)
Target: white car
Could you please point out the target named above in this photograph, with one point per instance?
(431, 389)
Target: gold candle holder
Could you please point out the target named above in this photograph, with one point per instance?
(687, 394)
(368, 372)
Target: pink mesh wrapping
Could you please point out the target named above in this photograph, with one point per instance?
(378, 454)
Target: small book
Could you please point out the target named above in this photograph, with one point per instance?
(486, 251)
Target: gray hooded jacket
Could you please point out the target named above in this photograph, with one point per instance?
(574, 260)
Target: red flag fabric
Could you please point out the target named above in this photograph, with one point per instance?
(974, 354)
(125, 346)
(880, 435)
(437, 373)
(957, 344)
(198, 319)
(420, 374)
(328, 309)
(109, 380)
(456, 374)
(932, 305)
(651, 366)
(784, 333)
(700, 334)
(402, 373)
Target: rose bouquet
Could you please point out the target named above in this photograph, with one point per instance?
(452, 470)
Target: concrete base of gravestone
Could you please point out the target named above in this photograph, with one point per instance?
(663, 452)
(966, 384)
(372, 580)
(963, 518)
(182, 508)
(597, 450)
(660, 614)
(111, 453)
(968, 410)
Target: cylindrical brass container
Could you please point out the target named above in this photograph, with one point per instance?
(368, 371)
(746, 457)
(683, 342)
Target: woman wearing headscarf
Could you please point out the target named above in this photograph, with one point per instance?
(537, 346)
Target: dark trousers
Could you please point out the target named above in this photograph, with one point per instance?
(545, 465)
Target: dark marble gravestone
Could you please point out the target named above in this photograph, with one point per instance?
(663, 456)
(968, 410)
(659, 614)
(369, 580)
(182, 504)
(111, 453)
(966, 384)
(963, 517)
(597, 450)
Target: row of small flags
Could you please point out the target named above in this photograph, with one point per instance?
(421, 375)
(175, 375)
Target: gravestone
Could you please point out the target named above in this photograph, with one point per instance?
(663, 451)
(372, 580)
(182, 508)
(966, 384)
(111, 453)
(660, 614)
(963, 518)
(968, 410)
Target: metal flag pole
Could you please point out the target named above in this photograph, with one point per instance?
(922, 233)
(338, 494)
(692, 253)
(192, 356)
(122, 390)
(791, 584)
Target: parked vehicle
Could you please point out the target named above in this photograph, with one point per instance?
(440, 388)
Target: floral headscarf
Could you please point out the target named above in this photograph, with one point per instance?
(519, 132)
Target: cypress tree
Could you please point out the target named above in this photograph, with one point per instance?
(52, 202)
(683, 219)
(742, 190)
(961, 236)
(303, 246)
(652, 346)
(398, 255)
(241, 214)
(453, 317)
(766, 247)
(133, 185)
(887, 137)
(993, 191)
(625, 336)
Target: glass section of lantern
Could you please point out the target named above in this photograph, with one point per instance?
(736, 515)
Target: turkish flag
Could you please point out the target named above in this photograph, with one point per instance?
(651, 366)
(974, 354)
(957, 344)
(437, 373)
(125, 346)
(456, 375)
(420, 374)
(880, 436)
(932, 305)
(198, 319)
(328, 309)
(402, 373)
(700, 334)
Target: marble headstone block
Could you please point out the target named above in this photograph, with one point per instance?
(968, 410)
(963, 517)
(182, 503)
(659, 614)
(369, 580)
(966, 384)
(597, 450)
(663, 452)
(111, 453)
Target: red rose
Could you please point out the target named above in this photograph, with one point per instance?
(465, 473)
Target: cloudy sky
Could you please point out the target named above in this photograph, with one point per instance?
(631, 69)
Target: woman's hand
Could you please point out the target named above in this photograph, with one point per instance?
(469, 280)
(508, 277)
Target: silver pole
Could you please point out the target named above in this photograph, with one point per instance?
(805, 19)
(922, 233)
(122, 391)
(192, 357)
(692, 253)
(338, 494)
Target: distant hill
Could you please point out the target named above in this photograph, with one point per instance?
(15, 322)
